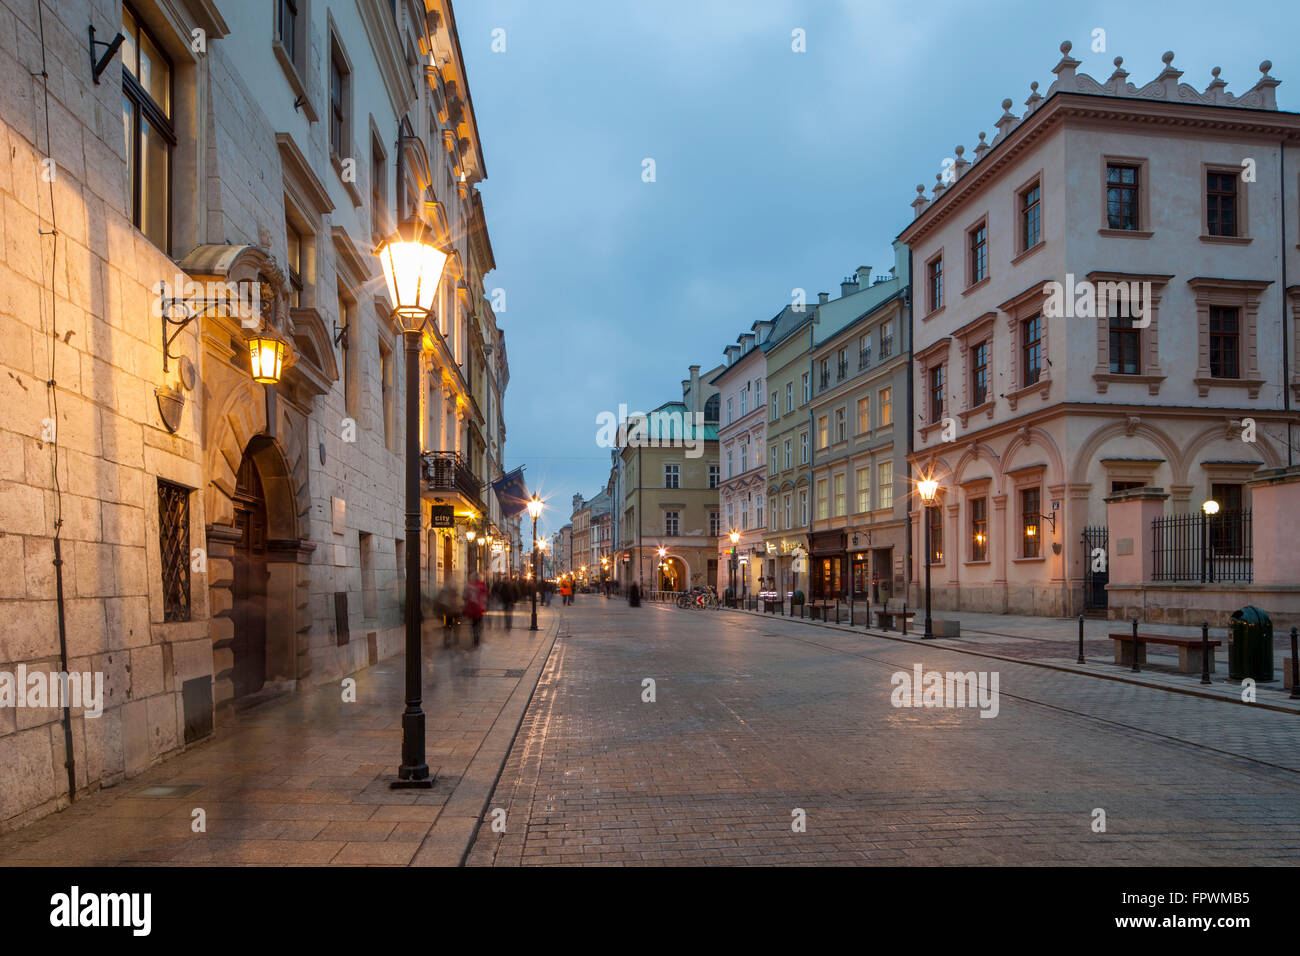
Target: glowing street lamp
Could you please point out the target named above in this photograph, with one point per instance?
(1209, 508)
(412, 268)
(735, 538)
(266, 356)
(534, 509)
(928, 488)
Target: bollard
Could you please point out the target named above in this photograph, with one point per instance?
(1205, 652)
(1081, 660)
(1295, 668)
(1136, 669)
(905, 619)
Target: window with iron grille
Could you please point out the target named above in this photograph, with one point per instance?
(174, 549)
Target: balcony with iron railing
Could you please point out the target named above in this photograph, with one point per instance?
(447, 471)
(886, 346)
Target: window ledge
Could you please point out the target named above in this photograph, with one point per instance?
(1026, 253)
(985, 563)
(971, 288)
(1229, 240)
(987, 407)
(1126, 233)
(928, 316)
(1105, 379)
(1043, 386)
(1039, 559)
(1205, 383)
(295, 81)
(353, 193)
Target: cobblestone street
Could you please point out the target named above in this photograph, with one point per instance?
(755, 718)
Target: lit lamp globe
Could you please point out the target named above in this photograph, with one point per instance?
(928, 487)
(735, 536)
(535, 506)
(412, 267)
(1210, 507)
(267, 353)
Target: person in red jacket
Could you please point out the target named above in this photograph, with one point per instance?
(476, 604)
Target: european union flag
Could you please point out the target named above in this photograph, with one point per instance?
(512, 493)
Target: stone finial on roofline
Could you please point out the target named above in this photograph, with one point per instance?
(1166, 86)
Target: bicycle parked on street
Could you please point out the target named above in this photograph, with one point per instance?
(700, 596)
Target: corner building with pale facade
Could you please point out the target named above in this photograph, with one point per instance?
(222, 537)
(1029, 420)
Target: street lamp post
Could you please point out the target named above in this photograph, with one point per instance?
(412, 268)
(1209, 508)
(928, 488)
(534, 509)
(735, 537)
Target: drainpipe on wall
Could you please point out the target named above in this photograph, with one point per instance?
(911, 348)
(1286, 349)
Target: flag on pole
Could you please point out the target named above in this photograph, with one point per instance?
(511, 492)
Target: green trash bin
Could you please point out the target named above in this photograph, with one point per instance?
(1250, 647)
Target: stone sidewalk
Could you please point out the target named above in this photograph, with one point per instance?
(304, 778)
(1054, 642)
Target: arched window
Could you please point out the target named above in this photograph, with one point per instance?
(711, 409)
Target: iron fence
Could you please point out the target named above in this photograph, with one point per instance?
(1203, 548)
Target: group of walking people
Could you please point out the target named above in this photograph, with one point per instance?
(451, 604)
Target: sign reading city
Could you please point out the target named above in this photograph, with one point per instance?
(444, 516)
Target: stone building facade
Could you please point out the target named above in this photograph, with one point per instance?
(1032, 407)
(222, 538)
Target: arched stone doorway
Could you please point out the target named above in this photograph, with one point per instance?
(248, 590)
(672, 574)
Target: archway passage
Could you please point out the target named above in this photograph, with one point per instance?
(672, 575)
(249, 589)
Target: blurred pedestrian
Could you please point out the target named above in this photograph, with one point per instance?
(476, 605)
(448, 604)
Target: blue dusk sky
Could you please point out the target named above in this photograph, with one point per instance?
(774, 169)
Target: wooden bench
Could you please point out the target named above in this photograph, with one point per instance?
(1189, 650)
(887, 617)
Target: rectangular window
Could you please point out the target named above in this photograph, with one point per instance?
(715, 524)
(936, 534)
(807, 388)
(672, 476)
(786, 506)
(886, 339)
(1225, 342)
(147, 123)
(1031, 217)
(730, 471)
(936, 393)
(1122, 197)
(864, 415)
(789, 396)
(1030, 523)
(775, 462)
(744, 401)
(864, 489)
(294, 242)
(1032, 346)
(842, 365)
(758, 515)
(672, 520)
(821, 499)
(864, 350)
(886, 406)
(744, 458)
(339, 78)
(979, 529)
(839, 495)
(979, 359)
(1227, 527)
(821, 431)
(789, 462)
(935, 283)
(386, 393)
(713, 472)
(825, 377)
(731, 411)
(803, 507)
(286, 27)
(378, 191)
(803, 448)
(1221, 203)
(1125, 342)
(174, 549)
(841, 426)
(885, 482)
(979, 253)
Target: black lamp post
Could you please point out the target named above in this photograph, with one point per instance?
(534, 509)
(413, 268)
(928, 487)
